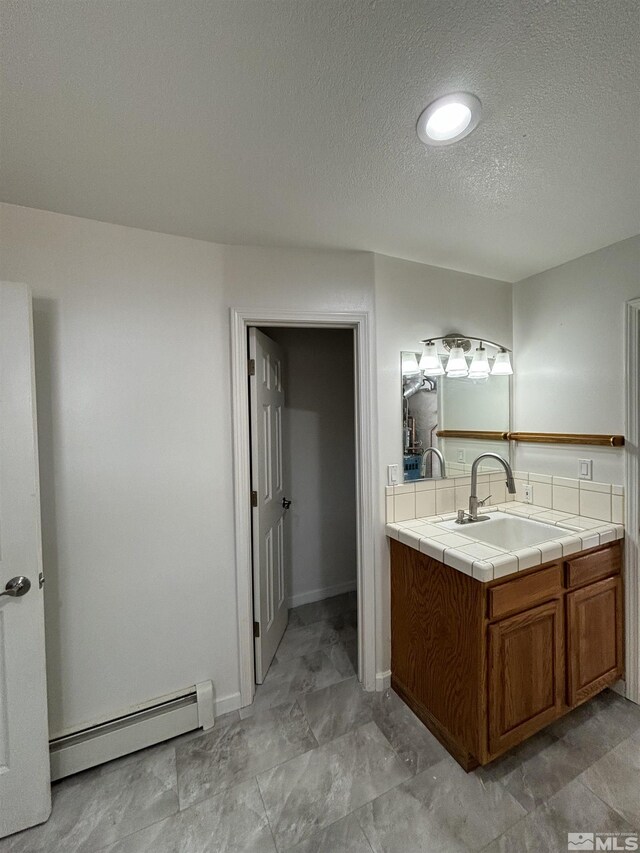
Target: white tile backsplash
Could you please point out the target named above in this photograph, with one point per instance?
(425, 503)
(617, 509)
(542, 493)
(540, 478)
(445, 501)
(463, 493)
(565, 498)
(595, 504)
(520, 484)
(404, 506)
(601, 501)
(590, 486)
(391, 516)
(567, 482)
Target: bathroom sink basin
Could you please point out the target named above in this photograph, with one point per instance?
(506, 531)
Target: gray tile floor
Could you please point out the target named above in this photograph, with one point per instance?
(318, 766)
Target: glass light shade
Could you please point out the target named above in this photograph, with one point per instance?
(502, 364)
(480, 365)
(409, 364)
(430, 362)
(457, 363)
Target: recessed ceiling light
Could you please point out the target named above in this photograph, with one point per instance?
(449, 119)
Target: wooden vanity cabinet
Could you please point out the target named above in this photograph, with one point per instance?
(526, 689)
(594, 638)
(485, 666)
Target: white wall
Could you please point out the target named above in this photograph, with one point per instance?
(129, 333)
(133, 373)
(569, 355)
(319, 454)
(414, 301)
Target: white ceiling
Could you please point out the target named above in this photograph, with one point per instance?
(292, 122)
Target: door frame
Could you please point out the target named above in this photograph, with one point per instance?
(365, 436)
(632, 500)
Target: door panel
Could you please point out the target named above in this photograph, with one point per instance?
(25, 797)
(526, 677)
(594, 638)
(267, 472)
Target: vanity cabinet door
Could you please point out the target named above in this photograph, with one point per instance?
(526, 674)
(594, 638)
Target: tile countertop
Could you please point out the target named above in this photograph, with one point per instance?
(488, 562)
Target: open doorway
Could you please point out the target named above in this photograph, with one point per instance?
(304, 543)
(363, 440)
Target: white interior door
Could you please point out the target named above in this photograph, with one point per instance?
(25, 794)
(267, 477)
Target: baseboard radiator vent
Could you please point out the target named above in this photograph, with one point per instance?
(193, 709)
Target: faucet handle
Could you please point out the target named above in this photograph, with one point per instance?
(463, 517)
(483, 502)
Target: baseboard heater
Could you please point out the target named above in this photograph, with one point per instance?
(167, 718)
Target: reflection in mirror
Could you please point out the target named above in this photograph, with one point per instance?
(419, 423)
(432, 405)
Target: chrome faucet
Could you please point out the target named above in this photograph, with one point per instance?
(423, 464)
(474, 503)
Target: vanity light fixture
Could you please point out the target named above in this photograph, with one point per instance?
(449, 119)
(430, 363)
(457, 363)
(409, 364)
(502, 364)
(479, 368)
(459, 349)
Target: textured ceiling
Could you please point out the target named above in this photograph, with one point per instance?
(292, 122)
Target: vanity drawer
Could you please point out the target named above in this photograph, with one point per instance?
(593, 567)
(522, 593)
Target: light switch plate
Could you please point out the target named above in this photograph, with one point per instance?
(461, 456)
(585, 469)
(528, 493)
(393, 475)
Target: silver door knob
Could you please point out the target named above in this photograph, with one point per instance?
(17, 586)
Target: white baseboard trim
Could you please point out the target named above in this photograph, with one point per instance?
(383, 680)
(320, 594)
(228, 703)
(106, 741)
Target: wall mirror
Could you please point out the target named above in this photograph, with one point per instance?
(461, 410)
